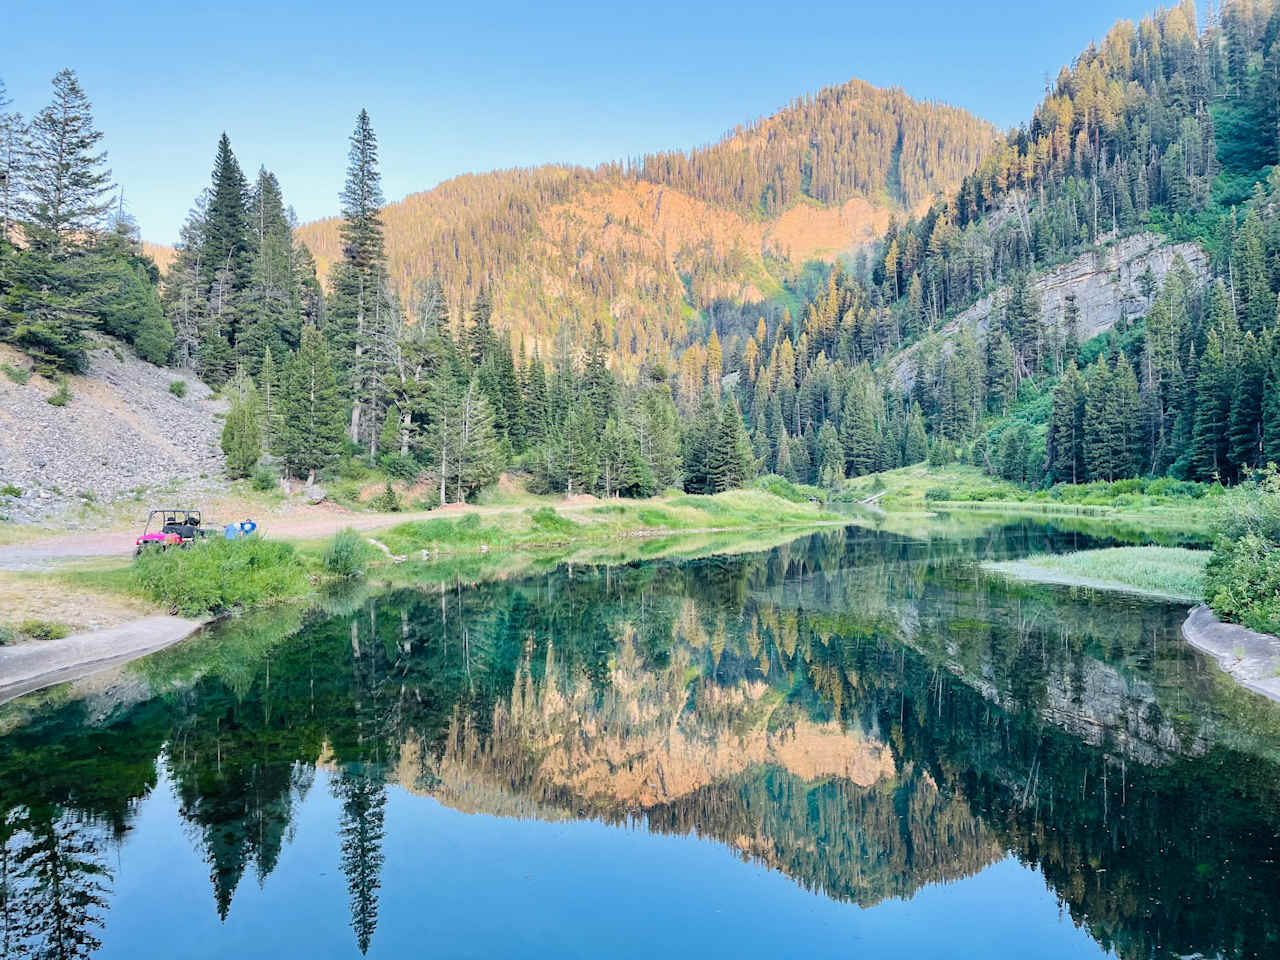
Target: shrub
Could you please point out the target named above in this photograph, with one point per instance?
(9, 490)
(61, 396)
(401, 467)
(263, 480)
(547, 519)
(938, 493)
(347, 555)
(7, 635)
(220, 575)
(178, 388)
(43, 629)
(784, 488)
(1242, 581)
(18, 375)
(387, 501)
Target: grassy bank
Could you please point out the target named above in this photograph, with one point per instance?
(237, 575)
(1166, 572)
(1160, 502)
(539, 526)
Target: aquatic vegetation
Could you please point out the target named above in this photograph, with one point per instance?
(348, 554)
(1171, 572)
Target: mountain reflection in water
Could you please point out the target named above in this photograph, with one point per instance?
(867, 714)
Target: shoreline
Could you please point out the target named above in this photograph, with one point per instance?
(1249, 658)
(35, 665)
(28, 667)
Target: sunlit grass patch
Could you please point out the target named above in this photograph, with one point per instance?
(1171, 572)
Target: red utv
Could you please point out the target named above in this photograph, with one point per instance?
(170, 528)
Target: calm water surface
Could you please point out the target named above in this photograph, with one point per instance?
(853, 745)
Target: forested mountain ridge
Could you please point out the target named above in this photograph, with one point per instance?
(641, 246)
(588, 327)
(1166, 130)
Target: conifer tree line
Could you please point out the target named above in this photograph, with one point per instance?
(1163, 126)
(71, 258)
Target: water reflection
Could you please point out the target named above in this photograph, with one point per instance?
(866, 712)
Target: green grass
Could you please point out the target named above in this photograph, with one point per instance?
(544, 525)
(1170, 572)
(1157, 502)
(220, 575)
(794, 492)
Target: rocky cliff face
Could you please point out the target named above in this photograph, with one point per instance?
(1106, 285)
(122, 436)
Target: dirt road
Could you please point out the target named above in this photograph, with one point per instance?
(306, 523)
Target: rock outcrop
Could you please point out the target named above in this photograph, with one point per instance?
(1105, 283)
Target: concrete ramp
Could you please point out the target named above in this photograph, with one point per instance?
(32, 666)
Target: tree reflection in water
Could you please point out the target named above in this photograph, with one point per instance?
(867, 713)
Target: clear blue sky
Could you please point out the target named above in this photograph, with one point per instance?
(471, 86)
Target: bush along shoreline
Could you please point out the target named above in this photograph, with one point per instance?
(225, 575)
(1242, 579)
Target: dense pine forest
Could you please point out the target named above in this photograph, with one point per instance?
(1163, 127)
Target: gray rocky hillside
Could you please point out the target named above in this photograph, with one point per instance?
(122, 438)
(1106, 284)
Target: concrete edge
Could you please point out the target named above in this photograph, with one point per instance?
(28, 667)
(1250, 658)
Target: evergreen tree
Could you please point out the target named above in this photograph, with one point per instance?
(916, 443)
(13, 157)
(241, 440)
(859, 433)
(1258, 303)
(361, 836)
(269, 392)
(535, 400)
(699, 441)
(1067, 429)
(597, 382)
(830, 457)
(1271, 405)
(66, 180)
(310, 437)
(1209, 456)
(476, 462)
(1000, 373)
(269, 308)
(581, 450)
(480, 334)
(622, 471)
(729, 463)
(1245, 430)
(658, 435)
(227, 244)
(801, 461)
(359, 301)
